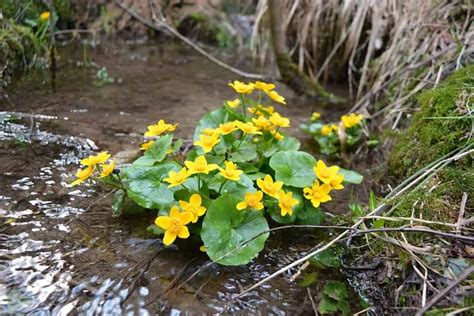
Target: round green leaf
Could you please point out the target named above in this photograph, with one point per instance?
(294, 168)
(225, 229)
(309, 215)
(351, 176)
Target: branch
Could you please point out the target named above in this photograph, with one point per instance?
(159, 24)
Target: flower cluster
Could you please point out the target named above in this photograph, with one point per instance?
(92, 164)
(332, 136)
(242, 172)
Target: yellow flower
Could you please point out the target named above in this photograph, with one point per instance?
(233, 104)
(251, 200)
(262, 123)
(276, 97)
(194, 207)
(248, 128)
(264, 86)
(335, 127)
(82, 175)
(227, 128)
(351, 120)
(147, 145)
(318, 193)
(326, 130)
(199, 165)
(207, 142)
(45, 16)
(95, 160)
(210, 132)
(324, 173)
(177, 178)
(230, 172)
(286, 202)
(107, 169)
(315, 116)
(174, 225)
(261, 110)
(336, 182)
(241, 87)
(279, 136)
(277, 120)
(269, 187)
(159, 128)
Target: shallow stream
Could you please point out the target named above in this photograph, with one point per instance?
(61, 250)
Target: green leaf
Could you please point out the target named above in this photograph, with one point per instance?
(309, 215)
(293, 168)
(157, 152)
(327, 305)
(117, 202)
(288, 143)
(245, 184)
(211, 120)
(308, 279)
(225, 229)
(155, 230)
(246, 152)
(326, 259)
(144, 185)
(351, 176)
(372, 201)
(336, 290)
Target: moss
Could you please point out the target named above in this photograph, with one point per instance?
(428, 139)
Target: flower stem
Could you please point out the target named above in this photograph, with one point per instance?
(199, 182)
(244, 112)
(182, 184)
(222, 185)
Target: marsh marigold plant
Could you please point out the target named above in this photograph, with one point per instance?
(243, 173)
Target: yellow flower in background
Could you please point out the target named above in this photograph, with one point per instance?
(95, 160)
(269, 187)
(45, 16)
(241, 87)
(231, 171)
(177, 178)
(279, 121)
(260, 85)
(335, 127)
(262, 123)
(199, 165)
(251, 200)
(336, 182)
(159, 128)
(233, 104)
(227, 128)
(83, 174)
(248, 128)
(107, 169)
(324, 173)
(286, 202)
(147, 145)
(276, 97)
(317, 194)
(351, 120)
(315, 116)
(207, 143)
(194, 207)
(326, 130)
(174, 225)
(203, 248)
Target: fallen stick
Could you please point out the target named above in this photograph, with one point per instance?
(160, 24)
(464, 275)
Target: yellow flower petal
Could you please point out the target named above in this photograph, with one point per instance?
(169, 238)
(163, 222)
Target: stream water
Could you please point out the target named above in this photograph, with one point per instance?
(61, 251)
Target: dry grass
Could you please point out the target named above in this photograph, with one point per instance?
(381, 47)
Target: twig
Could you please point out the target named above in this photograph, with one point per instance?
(300, 270)
(465, 274)
(313, 304)
(462, 209)
(160, 24)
